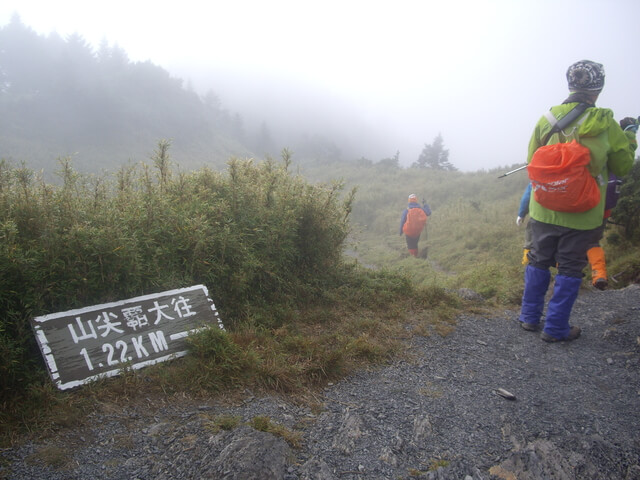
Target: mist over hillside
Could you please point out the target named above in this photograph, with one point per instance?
(304, 117)
(63, 98)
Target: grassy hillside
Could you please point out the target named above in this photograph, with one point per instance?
(267, 243)
(471, 238)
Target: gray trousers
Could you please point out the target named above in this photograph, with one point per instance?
(565, 247)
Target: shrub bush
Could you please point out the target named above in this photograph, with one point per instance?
(627, 211)
(255, 235)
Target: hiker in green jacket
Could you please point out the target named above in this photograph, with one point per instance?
(562, 238)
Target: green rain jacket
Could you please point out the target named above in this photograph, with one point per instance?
(611, 148)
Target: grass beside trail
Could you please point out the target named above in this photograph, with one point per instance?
(362, 323)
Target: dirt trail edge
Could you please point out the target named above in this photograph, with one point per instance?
(444, 414)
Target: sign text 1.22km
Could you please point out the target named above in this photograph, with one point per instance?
(82, 345)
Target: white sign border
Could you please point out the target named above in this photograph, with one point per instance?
(47, 353)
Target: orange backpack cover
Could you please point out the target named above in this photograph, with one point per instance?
(561, 180)
(416, 220)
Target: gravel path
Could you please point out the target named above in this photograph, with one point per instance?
(436, 414)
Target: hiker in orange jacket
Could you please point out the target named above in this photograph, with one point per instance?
(412, 225)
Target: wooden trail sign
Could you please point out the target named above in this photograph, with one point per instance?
(83, 345)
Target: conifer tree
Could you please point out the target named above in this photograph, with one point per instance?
(435, 156)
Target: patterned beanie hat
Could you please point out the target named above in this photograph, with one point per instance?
(585, 76)
(413, 198)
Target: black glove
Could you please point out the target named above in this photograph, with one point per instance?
(629, 123)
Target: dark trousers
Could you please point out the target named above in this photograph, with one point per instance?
(565, 247)
(598, 233)
(412, 242)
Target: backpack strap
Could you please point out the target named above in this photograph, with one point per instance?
(557, 125)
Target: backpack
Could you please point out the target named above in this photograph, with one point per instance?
(416, 220)
(613, 192)
(560, 178)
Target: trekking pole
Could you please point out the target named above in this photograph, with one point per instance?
(513, 171)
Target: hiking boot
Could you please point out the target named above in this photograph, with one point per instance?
(530, 327)
(574, 332)
(601, 284)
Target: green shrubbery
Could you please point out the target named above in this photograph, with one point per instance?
(256, 235)
(627, 211)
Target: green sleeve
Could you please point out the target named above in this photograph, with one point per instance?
(622, 150)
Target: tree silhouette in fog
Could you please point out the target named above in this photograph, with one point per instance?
(59, 95)
(435, 156)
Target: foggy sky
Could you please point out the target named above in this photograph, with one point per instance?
(384, 76)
